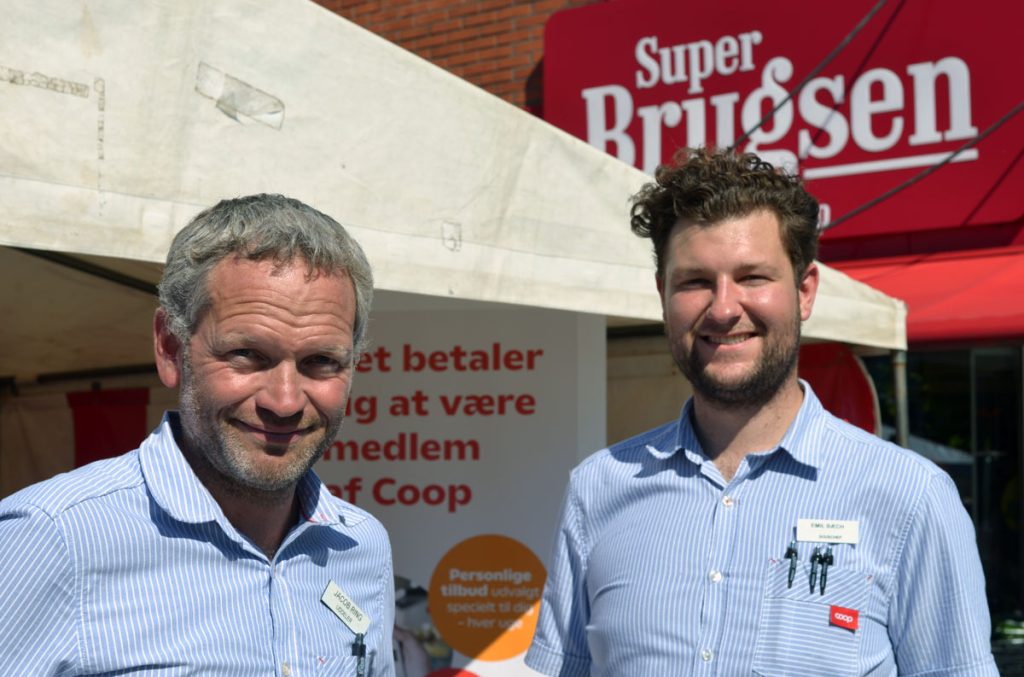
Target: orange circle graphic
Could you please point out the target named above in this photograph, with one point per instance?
(484, 597)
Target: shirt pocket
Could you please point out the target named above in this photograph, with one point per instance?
(795, 636)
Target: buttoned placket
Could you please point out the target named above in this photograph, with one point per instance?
(280, 608)
(724, 525)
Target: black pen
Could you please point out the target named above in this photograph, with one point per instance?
(826, 562)
(791, 555)
(359, 649)
(815, 559)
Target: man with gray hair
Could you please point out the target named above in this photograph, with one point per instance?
(213, 548)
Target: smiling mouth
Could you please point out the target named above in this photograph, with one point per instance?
(730, 340)
(275, 436)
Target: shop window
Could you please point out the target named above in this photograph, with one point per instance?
(965, 412)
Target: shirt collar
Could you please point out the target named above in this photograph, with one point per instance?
(318, 506)
(178, 491)
(801, 440)
(170, 479)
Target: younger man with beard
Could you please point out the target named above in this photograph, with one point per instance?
(757, 533)
(207, 550)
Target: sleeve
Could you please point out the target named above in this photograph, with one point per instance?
(385, 659)
(559, 644)
(939, 622)
(37, 609)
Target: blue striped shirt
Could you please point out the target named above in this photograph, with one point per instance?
(128, 566)
(661, 567)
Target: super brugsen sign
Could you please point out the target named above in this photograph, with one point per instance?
(640, 78)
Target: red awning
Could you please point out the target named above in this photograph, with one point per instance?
(952, 296)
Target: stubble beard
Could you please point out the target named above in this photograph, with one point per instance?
(226, 460)
(777, 363)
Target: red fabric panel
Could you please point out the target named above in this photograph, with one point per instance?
(107, 422)
(841, 383)
(954, 296)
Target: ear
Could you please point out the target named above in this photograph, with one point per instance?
(807, 290)
(167, 349)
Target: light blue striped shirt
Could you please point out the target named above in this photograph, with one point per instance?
(128, 566)
(660, 567)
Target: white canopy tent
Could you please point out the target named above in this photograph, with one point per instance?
(123, 119)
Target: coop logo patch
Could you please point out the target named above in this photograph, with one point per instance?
(843, 617)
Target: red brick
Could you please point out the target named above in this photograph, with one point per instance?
(496, 43)
(532, 20)
(495, 79)
(498, 4)
(472, 70)
(512, 12)
(548, 6)
(429, 41)
(436, 34)
(484, 55)
(464, 46)
(389, 25)
(426, 5)
(420, 17)
(515, 37)
(479, 18)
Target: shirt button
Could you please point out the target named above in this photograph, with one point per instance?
(706, 655)
(715, 576)
(286, 670)
(727, 501)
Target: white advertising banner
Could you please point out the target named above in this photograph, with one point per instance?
(461, 430)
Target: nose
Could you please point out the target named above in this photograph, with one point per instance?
(282, 393)
(725, 307)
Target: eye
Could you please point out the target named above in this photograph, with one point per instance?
(244, 357)
(323, 365)
(692, 283)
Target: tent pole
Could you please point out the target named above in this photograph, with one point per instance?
(899, 376)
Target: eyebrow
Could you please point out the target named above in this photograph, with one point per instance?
(223, 342)
(691, 271)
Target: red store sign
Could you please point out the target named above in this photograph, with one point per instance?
(640, 78)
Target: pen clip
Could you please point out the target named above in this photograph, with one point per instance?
(792, 556)
(815, 561)
(359, 650)
(826, 561)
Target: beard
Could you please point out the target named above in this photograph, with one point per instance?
(776, 363)
(234, 462)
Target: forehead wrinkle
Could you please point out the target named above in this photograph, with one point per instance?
(272, 312)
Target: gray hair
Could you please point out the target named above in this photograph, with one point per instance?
(256, 228)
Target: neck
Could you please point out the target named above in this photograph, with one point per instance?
(264, 517)
(729, 432)
(265, 520)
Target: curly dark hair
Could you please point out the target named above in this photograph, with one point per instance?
(708, 186)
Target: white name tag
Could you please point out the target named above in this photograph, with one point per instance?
(828, 531)
(345, 609)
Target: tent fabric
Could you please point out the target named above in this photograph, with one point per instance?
(130, 117)
(133, 116)
(842, 384)
(953, 296)
(107, 422)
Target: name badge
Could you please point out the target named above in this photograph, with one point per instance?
(344, 608)
(828, 531)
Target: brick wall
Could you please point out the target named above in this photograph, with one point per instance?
(495, 44)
